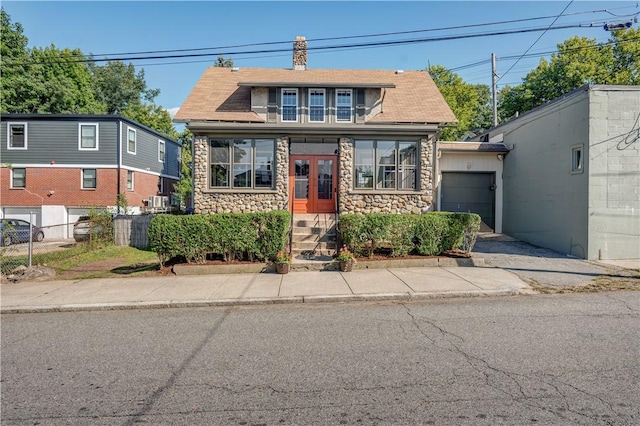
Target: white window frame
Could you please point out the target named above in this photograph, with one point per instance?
(82, 179)
(135, 141)
(162, 153)
(350, 120)
(282, 93)
(14, 123)
(24, 178)
(130, 180)
(324, 105)
(97, 127)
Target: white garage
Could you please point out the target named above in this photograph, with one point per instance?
(470, 179)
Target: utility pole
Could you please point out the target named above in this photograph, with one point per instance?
(494, 89)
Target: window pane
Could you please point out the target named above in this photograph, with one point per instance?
(219, 175)
(302, 179)
(219, 152)
(343, 105)
(407, 177)
(408, 153)
(364, 177)
(17, 136)
(161, 151)
(263, 162)
(316, 105)
(364, 152)
(325, 179)
(19, 178)
(289, 105)
(130, 180)
(89, 178)
(88, 136)
(132, 141)
(242, 176)
(242, 151)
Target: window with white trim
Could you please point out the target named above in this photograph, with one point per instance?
(385, 165)
(16, 135)
(89, 179)
(130, 180)
(316, 105)
(88, 136)
(242, 163)
(344, 105)
(132, 138)
(161, 151)
(18, 178)
(290, 105)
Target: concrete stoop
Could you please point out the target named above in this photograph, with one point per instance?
(313, 235)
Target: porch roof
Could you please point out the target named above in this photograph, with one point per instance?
(472, 147)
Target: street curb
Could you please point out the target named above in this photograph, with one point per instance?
(256, 301)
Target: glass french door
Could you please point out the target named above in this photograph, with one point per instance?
(312, 179)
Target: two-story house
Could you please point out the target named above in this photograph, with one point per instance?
(314, 140)
(60, 166)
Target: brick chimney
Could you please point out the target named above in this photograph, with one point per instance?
(300, 53)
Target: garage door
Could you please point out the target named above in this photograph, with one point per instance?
(469, 192)
(23, 213)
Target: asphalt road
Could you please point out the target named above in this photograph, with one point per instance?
(555, 359)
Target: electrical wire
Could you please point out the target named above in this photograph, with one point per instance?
(310, 48)
(537, 40)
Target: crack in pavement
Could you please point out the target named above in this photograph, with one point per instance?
(492, 374)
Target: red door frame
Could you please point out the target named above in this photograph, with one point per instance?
(313, 204)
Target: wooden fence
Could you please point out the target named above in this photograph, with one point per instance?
(132, 230)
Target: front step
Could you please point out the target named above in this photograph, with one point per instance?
(313, 236)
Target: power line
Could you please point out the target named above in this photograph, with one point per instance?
(537, 40)
(512, 21)
(318, 48)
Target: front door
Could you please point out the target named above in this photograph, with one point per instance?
(312, 179)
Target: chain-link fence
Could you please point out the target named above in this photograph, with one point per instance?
(22, 245)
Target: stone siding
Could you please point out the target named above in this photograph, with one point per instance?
(357, 201)
(238, 200)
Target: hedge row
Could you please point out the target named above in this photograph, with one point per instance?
(253, 236)
(425, 234)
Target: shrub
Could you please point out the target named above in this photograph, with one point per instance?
(231, 235)
(427, 234)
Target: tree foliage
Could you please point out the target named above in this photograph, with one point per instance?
(579, 61)
(58, 81)
(471, 103)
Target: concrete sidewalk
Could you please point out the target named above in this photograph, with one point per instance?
(256, 288)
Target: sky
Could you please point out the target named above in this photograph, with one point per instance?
(124, 27)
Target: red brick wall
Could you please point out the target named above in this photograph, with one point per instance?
(66, 187)
(65, 184)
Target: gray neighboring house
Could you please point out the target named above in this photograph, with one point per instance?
(59, 166)
(572, 175)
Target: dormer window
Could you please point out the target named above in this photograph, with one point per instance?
(290, 105)
(316, 105)
(344, 105)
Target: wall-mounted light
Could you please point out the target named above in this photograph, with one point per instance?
(500, 157)
(51, 192)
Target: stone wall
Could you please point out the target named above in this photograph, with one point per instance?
(239, 200)
(359, 201)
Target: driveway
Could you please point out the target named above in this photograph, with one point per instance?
(537, 265)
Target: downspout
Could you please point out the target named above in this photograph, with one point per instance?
(192, 202)
(436, 172)
(119, 154)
